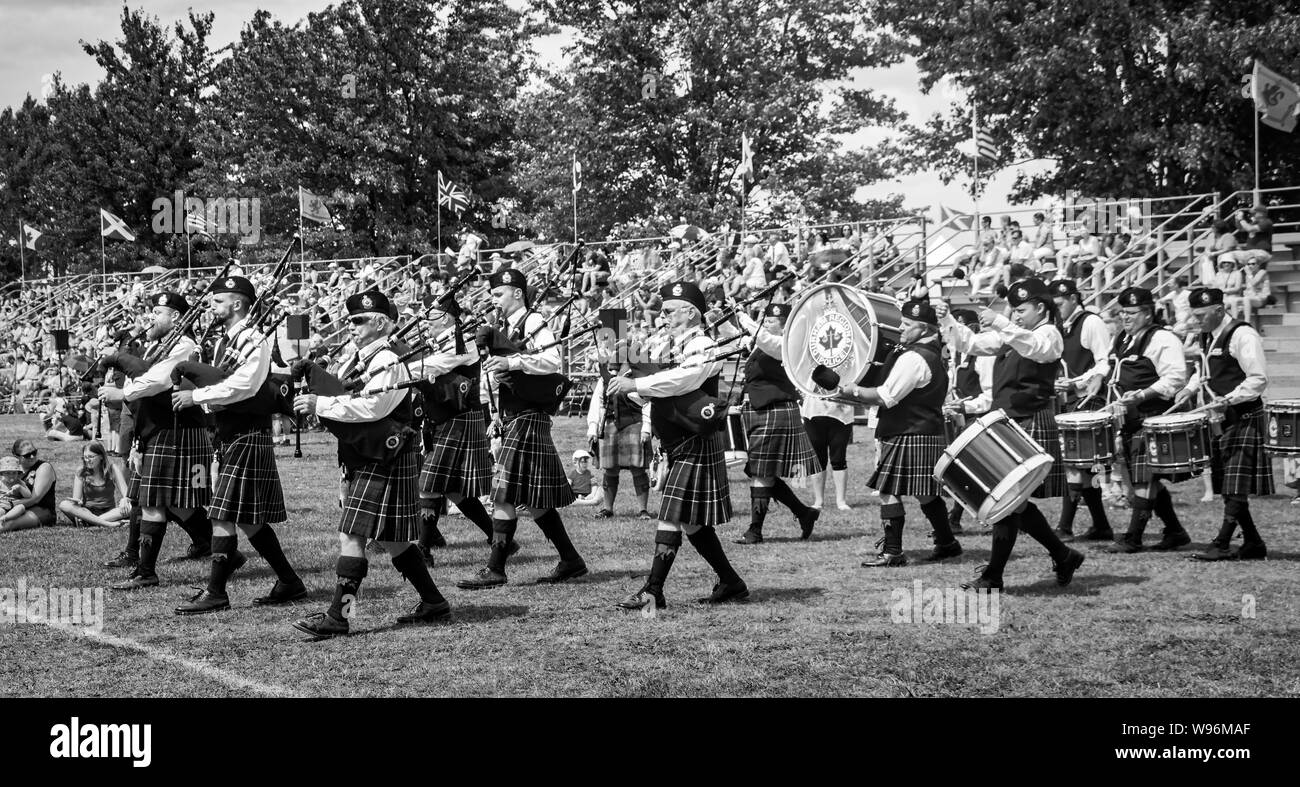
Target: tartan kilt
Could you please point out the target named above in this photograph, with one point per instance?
(696, 491)
(623, 447)
(174, 469)
(1239, 465)
(247, 489)
(906, 465)
(529, 471)
(458, 460)
(1042, 427)
(1139, 464)
(382, 500)
(778, 443)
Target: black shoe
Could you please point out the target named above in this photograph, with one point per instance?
(644, 515)
(1095, 534)
(982, 582)
(943, 551)
(1255, 551)
(563, 571)
(1065, 534)
(321, 626)
(1215, 552)
(750, 536)
(604, 513)
(282, 594)
(807, 521)
(1172, 541)
(886, 559)
(194, 552)
(1124, 546)
(1066, 568)
(123, 560)
(723, 593)
(485, 578)
(204, 602)
(424, 612)
(642, 598)
(137, 581)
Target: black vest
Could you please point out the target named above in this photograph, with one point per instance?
(1022, 387)
(1078, 358)
(155, 414)
(921, 411)
(351, 457)
(766, 381)
(1225, 372)
(1137, 371)
(967, 384)
(668, 432)
(445, 401)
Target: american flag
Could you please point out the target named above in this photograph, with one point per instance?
(985, 147)
(451, 196)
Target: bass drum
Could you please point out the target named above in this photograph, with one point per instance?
(843, 328)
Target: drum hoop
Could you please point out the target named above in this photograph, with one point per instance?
(1085, 418)
(1032, 471)
(1178, 421)
(969, 434)
(1283, 406)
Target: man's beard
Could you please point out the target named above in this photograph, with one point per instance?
(156, 332)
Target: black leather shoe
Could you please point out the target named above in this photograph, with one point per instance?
(485, 578)
(1255, 551)
(604, 513)
(1066, 568)
(1124, 546)
(1215, 552)
(123, 560)
(204, 602)
(137, 582)
(1172, 541)
(1066, 535)
(641, 599)
(750, 536)
(193, 552)
(425, 612)
(1094, 534)
(982, 582)
(321, 626)
(723, 593)
(807, 521)
(944, 551)
(644, 515)
(564, 571)
(885, 559)
(282, 594)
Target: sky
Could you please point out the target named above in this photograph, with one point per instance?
(41, 37)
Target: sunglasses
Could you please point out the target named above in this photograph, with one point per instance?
(28, 455)
(359, 320)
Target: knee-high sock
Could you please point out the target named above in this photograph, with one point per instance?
(1249, 533)
(503, 534)
(411, 564)
(553, 528)
(197, 526)
(955, 514)
(937, 513)
(474, 511)
(611, 483)
(267, 545)
(1139, 515)
(1069, 505)
(892, 518)
(133, 532)
(429, 524)
(1004, 540)
(1034, 524)
(784, 495)
(667, 542)
(1163, 507)
(640, 481)
(151, 539)
(223, 551)
(705, 540)
(1092, 498)
(759, 499)
(350, 571)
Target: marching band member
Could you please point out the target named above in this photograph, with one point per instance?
(1148, 369)
(1232, 354)
(829, 425)
(247, 492)
(529, 471)
(972, 387)
(380, 498)
(1086, 356)
(175, 451)
(1027, 349)
(696, 497)
(778, 442)
(620, 429)
(911, 434)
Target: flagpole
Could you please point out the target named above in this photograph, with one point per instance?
(103, 260)
(975, 187)
(302, 244)
(574, 173)
(22, 259)
(1256, 114)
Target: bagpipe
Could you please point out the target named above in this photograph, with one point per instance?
(731, 309)
(379, 441)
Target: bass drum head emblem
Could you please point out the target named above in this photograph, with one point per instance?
(830, 342)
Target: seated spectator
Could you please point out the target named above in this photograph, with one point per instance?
(99, 491)
(37, 508)
(61, 425)
(1256, 288)
(1228, 279)
(583, 482)
(992, 267)
(1177, 306)
(12, 488)
(1258, 229)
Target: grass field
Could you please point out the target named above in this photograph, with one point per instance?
(1154, 624)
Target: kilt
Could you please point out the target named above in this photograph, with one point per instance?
(696, 491)
(247, 489)
(382, 500)
(133, 487)
(1042, 427)
(778, 443)
(529, 471)
(1139, 464)
(458, 460)
(906, 465)
(623, 447)
(1238, 463)
(174, 469)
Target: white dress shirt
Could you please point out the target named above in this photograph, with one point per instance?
(1166, 352)
(769, 343)
(158, 378)
(694, 352)
(1247, 348)
(365, 407)
(980, 404)
(1042, 345)
(596, 410)
(1096, 339)
(533, 362)
(908, 373)
(244, 382)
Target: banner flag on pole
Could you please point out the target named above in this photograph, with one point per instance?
(196, 224)
(111, 226)
(746, 157)
(451, 196)
(985, 147)
(577, 174)
(1276, 98)
(312, 207)
(30, 236)
(962, 222)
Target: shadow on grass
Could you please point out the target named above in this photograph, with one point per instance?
(460, 613)
(1082, 585)
(761, 594)
(816, 536)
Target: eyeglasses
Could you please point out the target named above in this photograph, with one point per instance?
(28, 455)
(359, 320)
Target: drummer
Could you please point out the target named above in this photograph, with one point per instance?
(911, 434)
(972, 389)
(1233, 353)
(1027, 349)
(1148, 369)
(1086, 358)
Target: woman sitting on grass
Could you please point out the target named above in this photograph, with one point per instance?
(36, 509)
(98, 491)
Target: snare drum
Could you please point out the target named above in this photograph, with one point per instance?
(736, 451)
(843, 328)
(1087, 438)
(1177, 443)
(1284, 427)
(992, 467)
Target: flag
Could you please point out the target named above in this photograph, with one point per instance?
(577, 175)
(111, 226)
(1276, 98)
(451, 196)
(195, 223)
(312, 207)
(962, 222)
(30, 236)
(746, 157)
(985, 147)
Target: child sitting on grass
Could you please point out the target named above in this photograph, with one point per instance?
(582, 481)
(12, 488)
